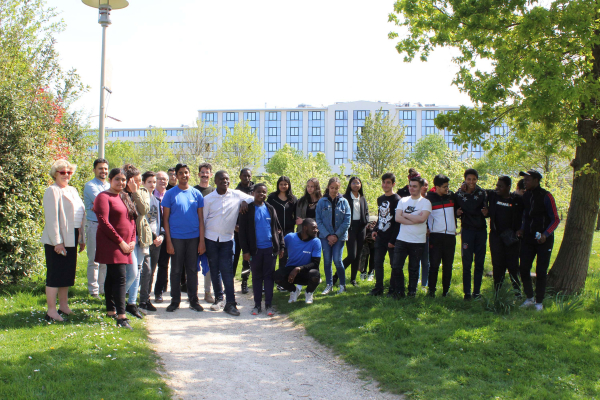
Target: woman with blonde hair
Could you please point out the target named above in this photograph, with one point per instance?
(63, 230)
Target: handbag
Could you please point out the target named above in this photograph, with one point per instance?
(509, 237)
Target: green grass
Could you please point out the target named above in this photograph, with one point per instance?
(84, 358)
(446, 348)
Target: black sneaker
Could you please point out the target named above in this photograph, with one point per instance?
(281, 289)
(231, 309)
(172, 307)
(354, 282)
(445, 293)
(375, 292)
(467, 297)
(147, 306)
(396, 295)
(113, 316)
(196, 306)
(124, 323)
(158, 298)
(477, 296)
(245, 286)
(133, 310)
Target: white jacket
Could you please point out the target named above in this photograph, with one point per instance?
(60, 206)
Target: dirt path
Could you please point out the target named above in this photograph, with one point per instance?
(211, 355)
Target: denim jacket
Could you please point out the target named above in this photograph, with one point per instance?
(324, 218)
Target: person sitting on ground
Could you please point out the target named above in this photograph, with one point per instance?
(64, 217)
(261, 241)
(304, 252)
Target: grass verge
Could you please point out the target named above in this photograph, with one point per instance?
(86, 357)
(446, 348)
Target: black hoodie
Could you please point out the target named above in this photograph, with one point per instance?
(471, 205)
(286, 211)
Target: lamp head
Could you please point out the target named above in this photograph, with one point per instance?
(113, 4)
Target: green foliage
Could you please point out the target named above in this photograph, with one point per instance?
(503, 301)
(240, 149)
(199, 144)
(381, 144)
(36, 127)
(283, 159)
(568, 303)
(155, 152)
(119, 153)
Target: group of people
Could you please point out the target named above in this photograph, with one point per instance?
(136, 226)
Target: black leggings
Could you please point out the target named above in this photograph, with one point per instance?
(354, 245)
(310, 278)
(114, 288)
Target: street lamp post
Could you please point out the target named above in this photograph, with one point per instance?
(104, 7)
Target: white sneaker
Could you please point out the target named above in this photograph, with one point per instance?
(294, 296)
(299, 289)
(363, 276)
(327, 289)
(539, 306)
(371, 277)
(309, 298)
(217, 305)
(342, 289)
(528, 303)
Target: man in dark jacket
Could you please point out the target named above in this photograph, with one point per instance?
(472, 203)
(540, 219)
(261, 241)
(247, 186)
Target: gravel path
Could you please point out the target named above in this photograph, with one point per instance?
(211, 355)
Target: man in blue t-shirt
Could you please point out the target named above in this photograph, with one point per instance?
(183, 219)
(304, 257)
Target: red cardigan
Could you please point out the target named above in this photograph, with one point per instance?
(114, 226)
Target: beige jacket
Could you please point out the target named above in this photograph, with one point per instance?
(59, 214)
(142, 204)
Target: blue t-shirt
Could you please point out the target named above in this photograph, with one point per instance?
(299, 251)
(262, 225)
(184, 205)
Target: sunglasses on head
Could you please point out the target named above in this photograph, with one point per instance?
(66, 172)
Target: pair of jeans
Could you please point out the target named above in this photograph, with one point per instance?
(530, 249)
(220, 262)
(114, 288)
(185, 258)
(413, 251)
(96, 273)
(354, 246)
(441, 251)
(236, 258)
(162, 272)
(473, 243)
(148, 268)
(504, 258)
(263, 266)
(132, 274)
(310, 278)
(333, 253)
(380, 249)
(425, 264)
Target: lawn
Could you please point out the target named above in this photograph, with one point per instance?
(447, 348)
(84, 358)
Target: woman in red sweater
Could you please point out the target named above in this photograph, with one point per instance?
(115, 240)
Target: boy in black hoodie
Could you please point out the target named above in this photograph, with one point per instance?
(261, 240)
(472, 211)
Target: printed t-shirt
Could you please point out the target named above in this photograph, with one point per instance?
(413, 233)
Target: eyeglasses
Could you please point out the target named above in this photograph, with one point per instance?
(66, 172)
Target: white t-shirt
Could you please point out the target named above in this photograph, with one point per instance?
(413, 233)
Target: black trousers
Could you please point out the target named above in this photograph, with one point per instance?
(354, 246)
(367, 257)
(504, 258)
(441, 251)
(380, 249)
(413, 251)
(114, 288)
(185, 257)
(162, 273)
(473, 244)
(530, 249)
(309, 278)
(236, 257)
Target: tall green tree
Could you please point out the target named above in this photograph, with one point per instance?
(380, 144)
(199, 144)
(36, 128)
(155, 152)
(239, 149)
(118, 153)
(542, 65)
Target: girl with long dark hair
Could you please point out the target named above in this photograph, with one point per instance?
(284, 202)
(115, 241)
(308, 203)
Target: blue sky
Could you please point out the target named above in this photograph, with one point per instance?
(171, 58)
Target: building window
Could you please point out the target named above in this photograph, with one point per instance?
(251, 116)
(294, 115)
(273, 146)
(294, 131)
(340, 115)
(316, 115)
(209, 117)
(361, 115)
(316, 147)
(316, 131)
(230, 116)
(338, 161)
(272, 131)
(296, 145)
(339, 146)
(272, 116)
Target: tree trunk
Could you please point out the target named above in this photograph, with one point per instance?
(570, 268)
(598, 224)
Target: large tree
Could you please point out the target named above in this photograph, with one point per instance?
(240, 148)
(199, 144)
(532, 62)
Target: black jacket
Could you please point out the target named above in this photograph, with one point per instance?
(517, 209)
(364, 211)
(247, 233)
(286, 212)
(403, 192)
(539, 212)
(246, 189)
(471, 205)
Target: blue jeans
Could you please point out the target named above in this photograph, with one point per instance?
(425, 264)
(132, 273)
(333, 252)
(220, 262)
